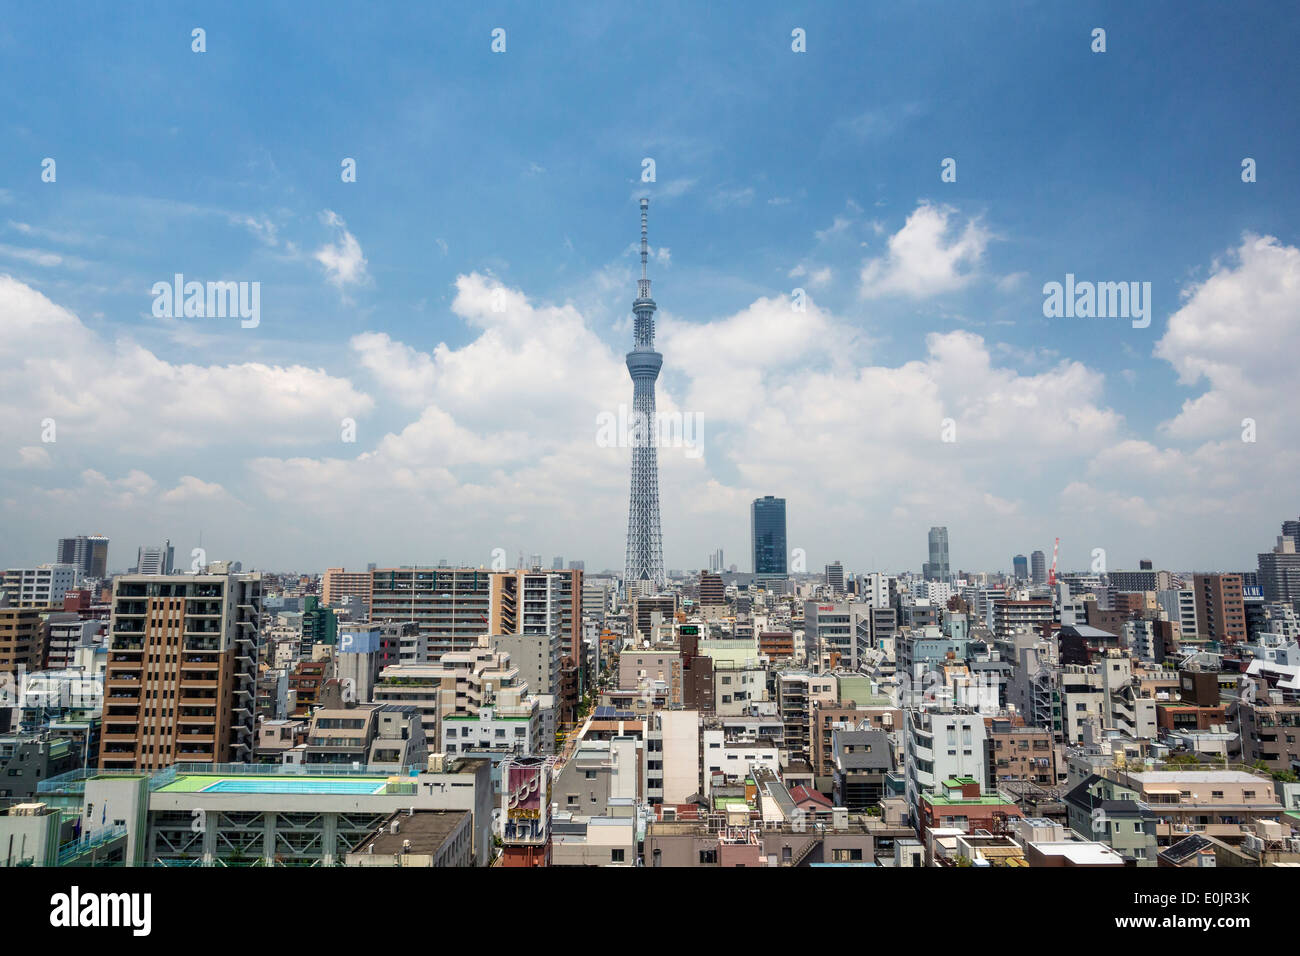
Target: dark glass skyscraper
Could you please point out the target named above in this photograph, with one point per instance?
(767, 528)
(88, 552)
(937, 568)
(1020, 568)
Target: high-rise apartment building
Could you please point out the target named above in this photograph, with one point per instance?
(319, 626)
(339, 587)
(42, 586)
(538, 602)
(1038, 567)
(1134, 580)
(938, 568)
(182, 669)
(875, 589)
(835, 578)
(1020, 568)
(1291, 529)
(647, 611)
(22, 641)
(938, 747)
(88, 552)
(596, 595)
(151, 560)
(1179, 604)
(1220, 608)
(1010, 616)
(836, 634)
(1279, 569)
(712, 592)
(449, 605)
(767, 531)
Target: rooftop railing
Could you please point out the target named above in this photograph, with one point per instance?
(89, 842)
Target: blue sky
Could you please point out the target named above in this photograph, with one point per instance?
(775, 170)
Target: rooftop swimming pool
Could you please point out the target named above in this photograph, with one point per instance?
(301, 785)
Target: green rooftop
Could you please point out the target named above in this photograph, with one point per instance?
(966, 801)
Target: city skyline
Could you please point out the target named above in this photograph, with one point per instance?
(474, 332)
(936, 530)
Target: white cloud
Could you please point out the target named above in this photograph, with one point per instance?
(928, 256)
(400, 369)
(503, 451)
(34, 456)
(123, 396)
(1239, 332)
(343, 260)
(37, 257)
(191, 489)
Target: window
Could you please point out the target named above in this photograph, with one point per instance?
(616, 856)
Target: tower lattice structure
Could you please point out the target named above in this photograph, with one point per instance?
(644, 568)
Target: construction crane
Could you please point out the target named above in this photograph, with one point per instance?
(1051, 575)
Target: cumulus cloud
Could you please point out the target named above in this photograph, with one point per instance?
(400, 370)
(505, 442)
(1213, 344)
(1238, 333)
(123, 396)
(491, 436)
(930, 255)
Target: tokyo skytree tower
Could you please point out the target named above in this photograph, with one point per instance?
(644, 569)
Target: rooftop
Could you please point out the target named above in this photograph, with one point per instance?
(426, 831)
(256, 783)
(983, 801)
(1185, 776)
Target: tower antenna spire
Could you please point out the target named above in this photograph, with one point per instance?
(645, 244)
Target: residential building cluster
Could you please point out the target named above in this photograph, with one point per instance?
(548, 716)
